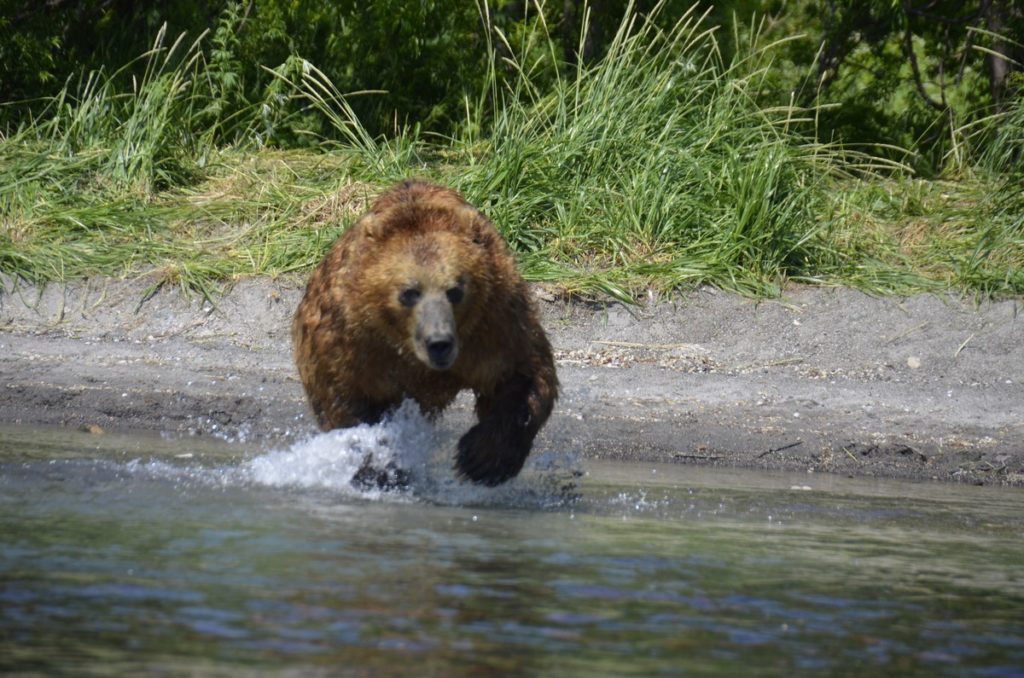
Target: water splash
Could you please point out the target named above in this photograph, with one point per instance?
(404, 440)
(331, 460)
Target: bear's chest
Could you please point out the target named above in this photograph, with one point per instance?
(394, 378)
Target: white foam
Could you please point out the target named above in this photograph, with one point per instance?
(329, 461)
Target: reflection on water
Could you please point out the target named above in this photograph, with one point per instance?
(122, 555)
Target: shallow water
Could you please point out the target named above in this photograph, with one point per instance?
(137, 554)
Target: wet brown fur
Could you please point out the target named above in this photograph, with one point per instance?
(354, 341)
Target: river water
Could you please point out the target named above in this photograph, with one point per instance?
(128, 555)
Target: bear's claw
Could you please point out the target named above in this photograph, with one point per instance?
(386, 478)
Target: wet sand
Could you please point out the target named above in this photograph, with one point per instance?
(822, 380)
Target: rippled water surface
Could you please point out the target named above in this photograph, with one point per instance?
(131, 554)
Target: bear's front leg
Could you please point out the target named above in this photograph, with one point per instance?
(496, 448)
(335, 411)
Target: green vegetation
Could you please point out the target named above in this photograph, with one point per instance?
(664, 161)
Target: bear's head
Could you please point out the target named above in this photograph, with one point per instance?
(430, 290)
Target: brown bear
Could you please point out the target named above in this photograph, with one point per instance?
(421, 299)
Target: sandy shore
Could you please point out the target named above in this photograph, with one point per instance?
(822, 380)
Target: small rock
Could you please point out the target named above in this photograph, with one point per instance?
(913, 362)
(542, 293)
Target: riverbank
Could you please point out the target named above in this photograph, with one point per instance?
(823, 380)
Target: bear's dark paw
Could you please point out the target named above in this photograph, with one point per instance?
(488, 458)
(384, 478)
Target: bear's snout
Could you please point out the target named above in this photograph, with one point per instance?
(436, 343)
(441, 351)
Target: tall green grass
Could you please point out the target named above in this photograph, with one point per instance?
(653, 169)
(138, 175)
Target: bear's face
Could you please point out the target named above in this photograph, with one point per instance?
(428, 296)
(431, 319)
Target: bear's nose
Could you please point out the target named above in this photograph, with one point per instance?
(441, 350)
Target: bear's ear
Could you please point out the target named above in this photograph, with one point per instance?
(481, 230)
(370, 226)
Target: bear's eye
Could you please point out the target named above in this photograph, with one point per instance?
(455, 294)
(409, 296)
